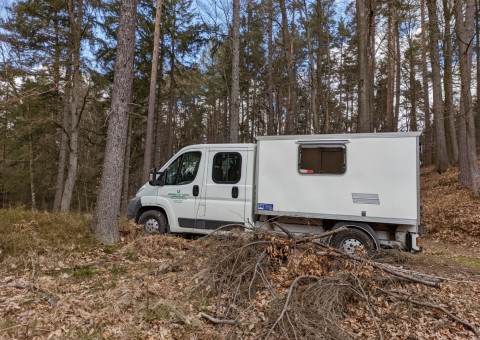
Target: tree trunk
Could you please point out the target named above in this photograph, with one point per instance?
(147, 159)
(371, 61)
(412, 126)
(159, 150)
(104, 223)
(390, 71)
(76, 29)
(442, 162)
(291, 106)
(398, 65)
(312, 115)
(63, 111)
(427, 150)
(171, 102)
(364, 88)
(62, 156)
(469, 174)
(447, 84)
(126, 170)
(477, 48)
(31, 170)
(235, 93)
(271, 113)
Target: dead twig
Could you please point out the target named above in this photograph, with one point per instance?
(287, 300)
(370, 307)
(320, 236)
(409, 298)
(215, 320)
(285, 230)
(410, 275)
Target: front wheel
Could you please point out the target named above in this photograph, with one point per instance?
(153, 221)
(352, 240)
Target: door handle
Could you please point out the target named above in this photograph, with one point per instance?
(235, 192)
(196, 190)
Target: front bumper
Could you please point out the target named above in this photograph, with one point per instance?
(133, 206)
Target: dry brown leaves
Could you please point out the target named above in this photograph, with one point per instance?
(450, 213)
(154, 287)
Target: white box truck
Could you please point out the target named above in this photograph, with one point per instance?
(369, 183)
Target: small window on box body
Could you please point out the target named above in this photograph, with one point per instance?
(322, 159)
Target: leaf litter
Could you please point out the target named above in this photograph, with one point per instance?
(250, 287)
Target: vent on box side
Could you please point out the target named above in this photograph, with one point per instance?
(361, 198)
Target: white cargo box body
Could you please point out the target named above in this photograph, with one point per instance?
(380, 182)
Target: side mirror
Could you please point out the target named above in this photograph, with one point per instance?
(156, 178)
(152, 177)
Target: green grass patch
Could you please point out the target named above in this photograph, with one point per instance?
(23, 232)
(83, 273)
(466, 261)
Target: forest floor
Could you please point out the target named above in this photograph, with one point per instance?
(56, 282)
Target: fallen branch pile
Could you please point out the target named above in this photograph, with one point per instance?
(302, 288)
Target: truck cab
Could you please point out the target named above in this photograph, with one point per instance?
(201, 188)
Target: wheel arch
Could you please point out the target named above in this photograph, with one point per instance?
(360, 226)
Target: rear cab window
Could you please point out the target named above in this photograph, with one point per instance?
(227, 168)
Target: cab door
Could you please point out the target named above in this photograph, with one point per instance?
(224, 196)
(183, 183)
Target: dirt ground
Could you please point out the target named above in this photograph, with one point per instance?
(157, 287)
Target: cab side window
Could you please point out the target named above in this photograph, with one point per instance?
(227, 168)
(184, 169)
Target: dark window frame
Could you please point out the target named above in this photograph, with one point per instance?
(322, 146)
(240, 166)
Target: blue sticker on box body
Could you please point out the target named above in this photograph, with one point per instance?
(265, 206)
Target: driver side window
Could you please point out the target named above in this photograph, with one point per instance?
(184, 169)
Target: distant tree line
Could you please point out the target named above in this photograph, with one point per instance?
(224, 71)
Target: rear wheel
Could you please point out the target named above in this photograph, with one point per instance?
(153, 221)
(353, 240)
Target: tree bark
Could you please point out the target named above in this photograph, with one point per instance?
(104, 222)
(477, 48)
(312, 115)
(412, 124)
(63, 112)
(364, 86)
(171, 102)
(235, 93)
(31, 170)
(76, 29)
(147, 159)
(390, 70)
(398, 65)
(271, 113)
(448, 84)
(62, 155)
(442, 161)
(469, 174)
(291, 106)
(126, 170)
(427, 150)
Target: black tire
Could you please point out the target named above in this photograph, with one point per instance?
(153, 221)
(352, 238)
